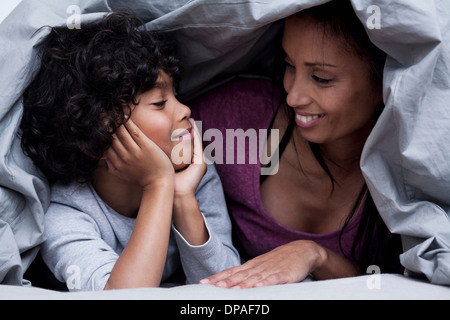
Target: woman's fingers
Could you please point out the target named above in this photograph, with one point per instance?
(288, 263)
(243, 276)
(272, 279)
(249, 281)
(227, 278)
(234, 279)
(247, 278)
(237, 278)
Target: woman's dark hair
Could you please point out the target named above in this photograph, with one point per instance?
(337, 19)
(373, 244)
(88, 79)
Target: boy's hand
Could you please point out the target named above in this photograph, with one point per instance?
(187, 180)
(135, 158)
(186, 212)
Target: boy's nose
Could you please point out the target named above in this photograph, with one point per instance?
(184, 111)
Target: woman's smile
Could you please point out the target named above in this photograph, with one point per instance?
(305, 120)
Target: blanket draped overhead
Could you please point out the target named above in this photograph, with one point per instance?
(406, 160)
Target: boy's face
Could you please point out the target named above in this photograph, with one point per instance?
(164, 120)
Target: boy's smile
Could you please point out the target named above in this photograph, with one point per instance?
(182, 135)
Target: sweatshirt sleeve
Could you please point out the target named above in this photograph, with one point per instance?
(74, 250)
(218, 253)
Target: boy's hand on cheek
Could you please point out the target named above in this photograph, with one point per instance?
(188, 179)
(186, 212)
(135, 158)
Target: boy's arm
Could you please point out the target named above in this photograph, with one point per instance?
(186, 212)
(201, 222)
(141, 263)
(218, 252)
(189, 221)
(143, 259)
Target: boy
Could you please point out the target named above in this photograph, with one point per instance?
(102, 122)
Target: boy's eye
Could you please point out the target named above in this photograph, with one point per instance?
(321, 80)
(160, 104)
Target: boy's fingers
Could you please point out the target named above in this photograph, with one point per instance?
(125, 138)
(122, 148)
(112, 159)
(118, 144)
(199, 156)
(134, 132)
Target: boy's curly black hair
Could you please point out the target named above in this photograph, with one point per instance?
(87, 80)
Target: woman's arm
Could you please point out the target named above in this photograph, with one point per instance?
(289, 263)
(333, 266)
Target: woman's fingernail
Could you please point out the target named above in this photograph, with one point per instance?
(204, 281)
(221, 284)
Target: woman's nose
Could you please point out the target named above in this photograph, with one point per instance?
(298, 93)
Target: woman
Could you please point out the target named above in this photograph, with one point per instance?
(316, 215)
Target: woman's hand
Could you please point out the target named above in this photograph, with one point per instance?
(135, 158)
(289, 263)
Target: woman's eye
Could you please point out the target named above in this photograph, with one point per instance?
(321, 80)
(289, 65)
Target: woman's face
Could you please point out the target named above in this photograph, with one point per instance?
(164, 120)
(329, 88)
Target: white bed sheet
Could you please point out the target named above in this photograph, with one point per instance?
(368, 287)
(405, 160)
